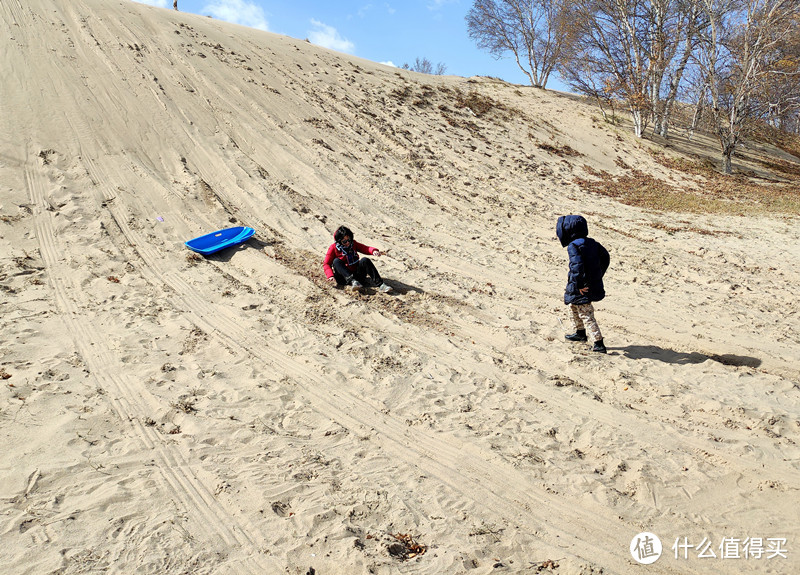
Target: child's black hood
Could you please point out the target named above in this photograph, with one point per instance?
(570, 228)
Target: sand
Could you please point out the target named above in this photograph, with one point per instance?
(167, 413)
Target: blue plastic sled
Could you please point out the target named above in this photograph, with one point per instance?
(219, 240)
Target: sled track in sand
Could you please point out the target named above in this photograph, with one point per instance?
(518, 498)
(614, 416)
(463, 468)
(130, 400)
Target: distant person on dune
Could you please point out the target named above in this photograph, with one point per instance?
(588, 262)
(343, 265)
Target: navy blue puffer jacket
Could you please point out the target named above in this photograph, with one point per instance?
(588, 261)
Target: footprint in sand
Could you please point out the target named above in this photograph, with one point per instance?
(282, 509)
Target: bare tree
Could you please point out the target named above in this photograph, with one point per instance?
(740, 49)
(610, 42)
(677, 24)
(425, 66)
(580, 75)
(533, 31)
(695, 91)
(658, 17)
(778, 93)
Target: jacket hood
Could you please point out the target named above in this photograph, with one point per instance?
(570, 228)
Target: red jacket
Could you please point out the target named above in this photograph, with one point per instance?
(334, 253)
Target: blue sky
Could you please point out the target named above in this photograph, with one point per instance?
(389, 31)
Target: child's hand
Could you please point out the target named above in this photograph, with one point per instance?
(583, 291)
(376, 253)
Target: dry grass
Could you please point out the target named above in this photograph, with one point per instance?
(717, 194)
(186, 405)
(481, 105)
(745, 193)
(789, 143)
(704, 168)
(193, 258)
(561, 151)
(401, 95)
(787, 169)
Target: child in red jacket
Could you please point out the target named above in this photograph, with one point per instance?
(343, 265)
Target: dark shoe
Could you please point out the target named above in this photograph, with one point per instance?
(599, 346)
(579, 335)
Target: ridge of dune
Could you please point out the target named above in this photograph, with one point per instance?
(168, 413)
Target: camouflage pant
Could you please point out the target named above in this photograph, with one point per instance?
(583, 318)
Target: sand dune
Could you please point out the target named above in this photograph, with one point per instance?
(168, 413)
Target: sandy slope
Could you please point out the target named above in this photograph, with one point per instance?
(170, 414)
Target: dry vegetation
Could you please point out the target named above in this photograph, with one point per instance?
(789, 143)
(745, 193)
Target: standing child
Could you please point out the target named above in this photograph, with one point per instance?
(343, 265)
(588, 262)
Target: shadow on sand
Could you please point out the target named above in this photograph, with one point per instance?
(226, 254)
(398, 288)
(682, 358)
(401, 289)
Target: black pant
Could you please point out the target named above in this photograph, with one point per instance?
(365, 272)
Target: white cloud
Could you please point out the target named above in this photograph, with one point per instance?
(389, 63)
(327, 37)
(159, 3)
(437, 4)
(362, 12)
(238, 12)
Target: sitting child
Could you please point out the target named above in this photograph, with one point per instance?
(343, 265)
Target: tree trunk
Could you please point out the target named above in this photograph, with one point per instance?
(664, 132)
(698, 111)
(727, 161)
(638, 124)
(657, 107)
(602, 109)
(676, 80)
